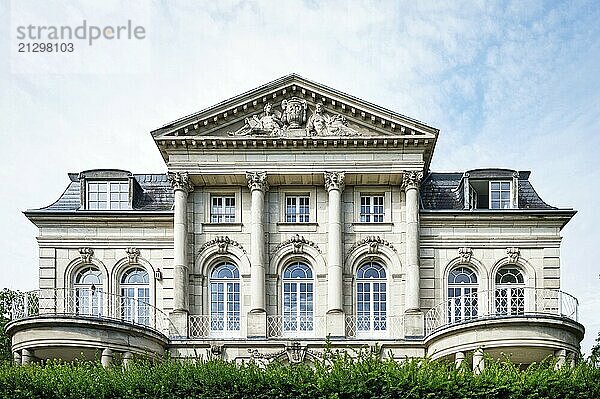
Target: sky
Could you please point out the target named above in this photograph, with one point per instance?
(509, 84)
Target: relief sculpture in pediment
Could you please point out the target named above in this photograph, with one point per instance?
(293, 121)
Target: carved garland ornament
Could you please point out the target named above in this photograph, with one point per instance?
(257, 181)
(296, 353)
(334, 180)
(298, 242)
(374, 243)
(180, 181)
(85, 254)
(465, 254)
(223, 243)
(412, 179)
(513, 254)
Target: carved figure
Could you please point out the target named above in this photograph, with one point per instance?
(321, 123)
(268, 123)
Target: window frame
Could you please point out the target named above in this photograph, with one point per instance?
(205, 199)
(94, 295)
(299, 191)
(108, 192)
(465, 301)
(132, 306)
(297, 281)
(225, 281)
(371, 332)
(371, 191)
(223, 215)
(512, 291)
(297, 214)
(510, 194)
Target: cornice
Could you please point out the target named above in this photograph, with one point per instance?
(97, 219)
(544, 217)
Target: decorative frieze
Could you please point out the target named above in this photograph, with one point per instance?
(334, 181)
(222, 242)
(180, 181)
(412, 179)
(465, 254)
(85, 254)
(298, 243)
(374, 243)
(513, 254)
(133, 254)
(295, 353)
(257, 181)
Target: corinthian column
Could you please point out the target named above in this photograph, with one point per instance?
(182, 187)
(257, 322)
(334, 184)
(413, 319)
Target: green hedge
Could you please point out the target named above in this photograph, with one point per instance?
(338, 377)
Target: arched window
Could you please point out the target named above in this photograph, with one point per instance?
(462, 294)
(88, 292)
(371, 309)
(297, 298)
(225, 298)
(135, 296)
(510, 291)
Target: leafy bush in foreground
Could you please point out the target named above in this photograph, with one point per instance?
(336, 377)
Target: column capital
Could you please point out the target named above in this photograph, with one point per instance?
(180, 181)
(411, 179)
(334, 181)
(257, 181)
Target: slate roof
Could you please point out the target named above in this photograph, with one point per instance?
(156, 194)
(444, 191)
(439, 191)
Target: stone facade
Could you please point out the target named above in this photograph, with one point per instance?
(295, 175)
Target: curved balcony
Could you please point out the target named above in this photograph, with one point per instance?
(66, 323)
(529, 323)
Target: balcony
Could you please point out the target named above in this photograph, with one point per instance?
(66, 323)
(528, 323)
(215, 326)
(382, 327)
(501, 303)
(296, 327)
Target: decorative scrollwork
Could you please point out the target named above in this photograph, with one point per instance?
(180, 181)
(222, 242)
(334, 180)
(85, 254)
(298, 242)
(465, 254)
(257, 181)
(374, 243)
(412, 179)
(133, 254)
(513, 254)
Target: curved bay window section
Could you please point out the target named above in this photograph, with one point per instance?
(510, 291)
(89, 295)
(225, 298)
(135, 296)
(371, 299)
(462, 295)
(298, 304)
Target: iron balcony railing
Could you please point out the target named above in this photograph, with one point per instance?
(288, 326)
(215, 326)
(510, 301)
(368, 327)
(90, 303)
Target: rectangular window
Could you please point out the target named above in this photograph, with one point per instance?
(371, 208)
(297, 209)
(107, 195)
(500, 195)
(222, 209)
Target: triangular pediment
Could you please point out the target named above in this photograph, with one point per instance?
(294, 107)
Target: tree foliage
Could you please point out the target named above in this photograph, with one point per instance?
(6, 300)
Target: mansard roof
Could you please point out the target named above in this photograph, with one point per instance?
(155, 195)
(439, 191)
(443, 190)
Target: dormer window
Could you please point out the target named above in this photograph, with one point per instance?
(500, 195)
(107, 195)
(107, 189)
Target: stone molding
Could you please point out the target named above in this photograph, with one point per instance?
(465, 254)
(295, 353)
(257, 181)
(373, 242)
(412, 180)
(298, 243)
(223, 243)
(334, 181)
(180, 181)
(86, 254)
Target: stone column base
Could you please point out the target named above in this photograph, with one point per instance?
(414, 324)
(257, 325)
(179, 318)
(335, 324)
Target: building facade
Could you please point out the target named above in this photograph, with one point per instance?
(292, 214)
